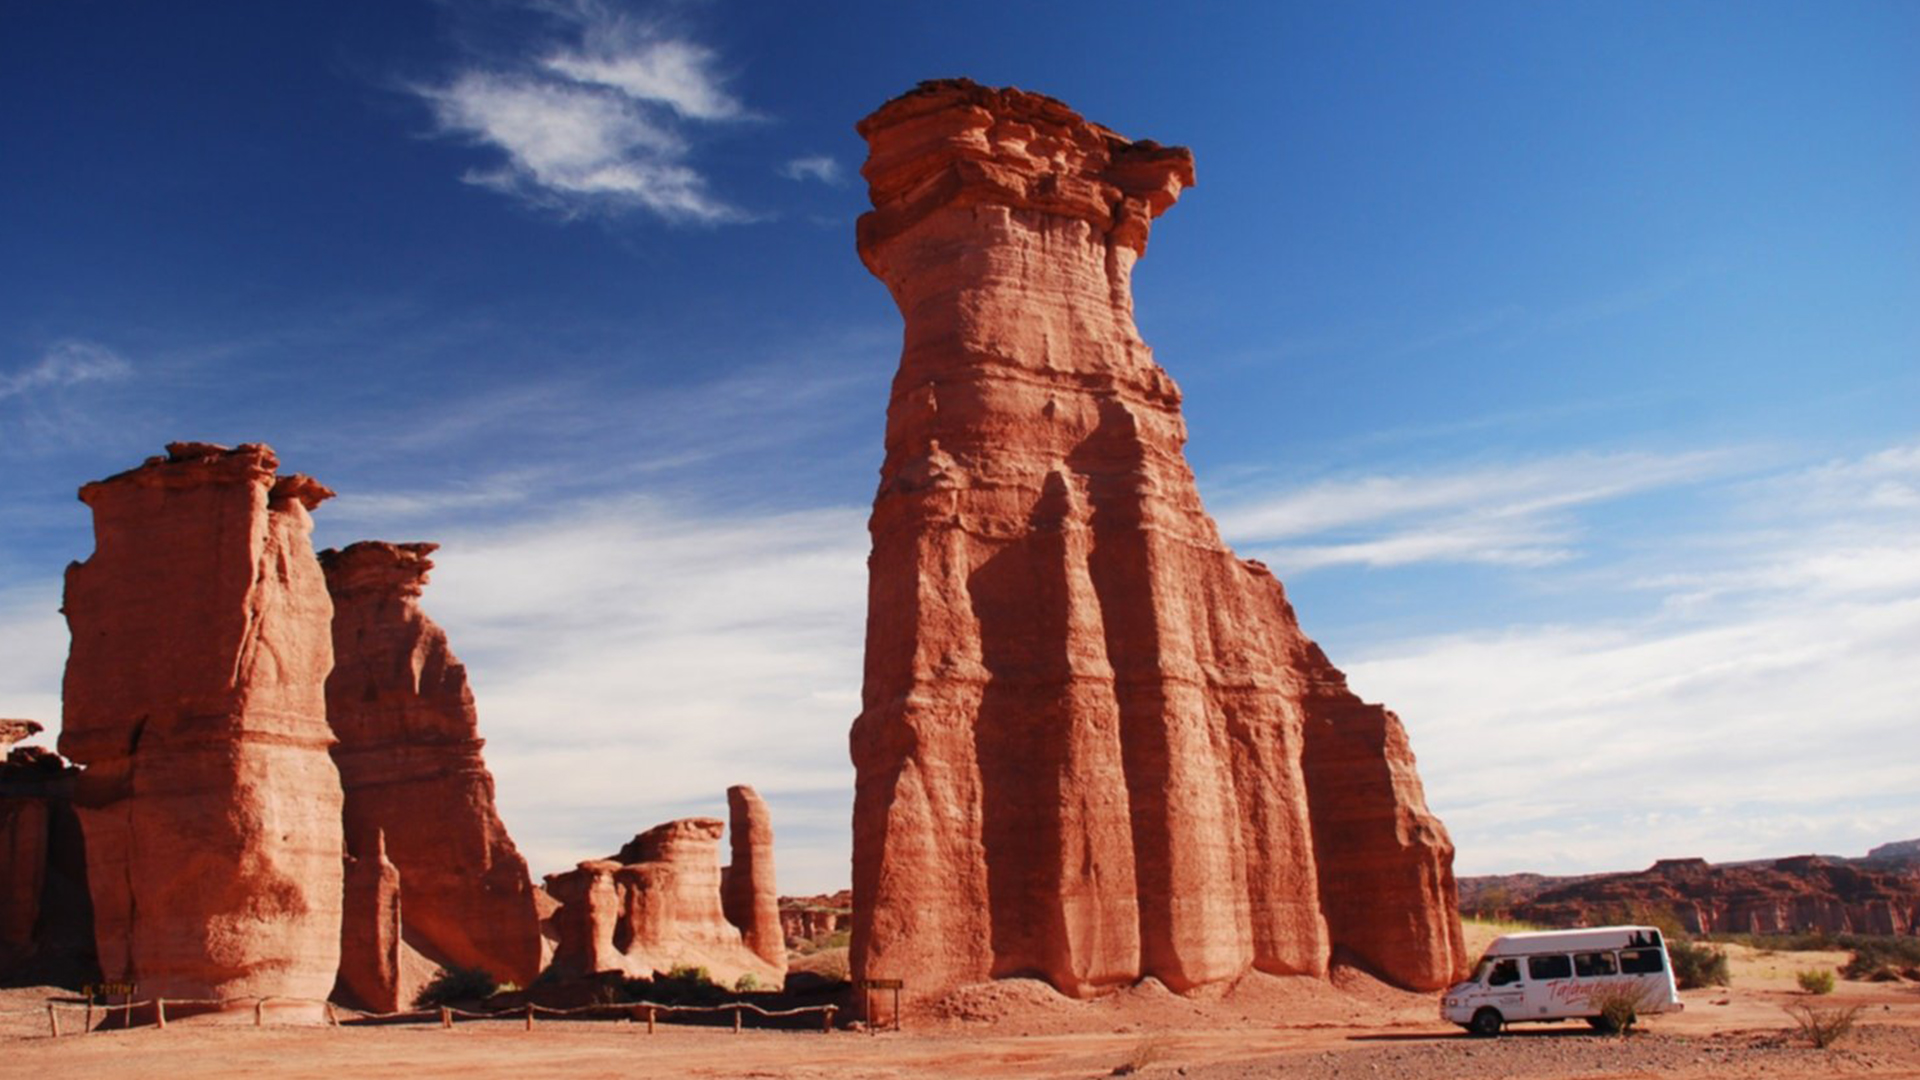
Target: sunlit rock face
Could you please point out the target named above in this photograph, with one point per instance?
(410, 763)
(747, 891)
(655, 906)
(1094, 745)
(195, 697)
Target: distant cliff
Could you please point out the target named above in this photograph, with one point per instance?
(1879, 894)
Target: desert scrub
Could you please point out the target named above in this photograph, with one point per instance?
(1149, 1049)
(746, 983)
(1879, 957)
(1696, 966)
(1815, 980)
(1824, 1026)
(450, 985)
(1619, 1005)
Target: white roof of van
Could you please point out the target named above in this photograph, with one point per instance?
(1597, 937)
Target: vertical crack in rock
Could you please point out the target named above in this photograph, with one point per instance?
(1094, 746)
(212, 822)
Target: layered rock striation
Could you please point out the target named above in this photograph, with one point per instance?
(1094, 745)
(655, 906)
(195, 698)
(409, 755)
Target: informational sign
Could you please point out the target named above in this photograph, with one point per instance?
(882, 984)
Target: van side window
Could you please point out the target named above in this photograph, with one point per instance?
(1640, 962)
(1504, 972)
(1549, 967)
(1592, 965)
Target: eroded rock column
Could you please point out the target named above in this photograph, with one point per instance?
(195, 697)
(1080, 754)
(748, 893)
(410, 762)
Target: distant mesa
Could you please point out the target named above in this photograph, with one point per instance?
(1094, 745)
(1879, 894)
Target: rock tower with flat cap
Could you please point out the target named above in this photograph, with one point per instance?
(1095, 746)
(195, 696)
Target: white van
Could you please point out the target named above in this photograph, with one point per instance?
(1554, 974)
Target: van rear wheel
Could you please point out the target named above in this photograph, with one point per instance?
(1487, 1023)
(1601, 1024)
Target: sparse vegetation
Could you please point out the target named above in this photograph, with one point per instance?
(1149, 1049)
(746, 983)
(1879, 958)
(451, 985)
(829, 964)
(1824, 1026)
(684, 985)
(1619, 1005)
(839, 939)
(1815, 980)
(1696, 966)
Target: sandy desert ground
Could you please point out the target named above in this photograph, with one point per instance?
(1260, 1027)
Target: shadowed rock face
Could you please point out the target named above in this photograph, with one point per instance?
(410, 764)
(195, 697)
(747, 890)
(46, 917)
(1094, 745)
(654, 906)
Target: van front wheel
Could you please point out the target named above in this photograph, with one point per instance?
(1487, 1023)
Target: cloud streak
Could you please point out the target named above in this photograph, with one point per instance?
(1512, 515)
(66, 363)
(598, 125)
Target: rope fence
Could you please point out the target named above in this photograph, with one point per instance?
(341, 1015)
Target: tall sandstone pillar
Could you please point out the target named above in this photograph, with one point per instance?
(195, 697)
(1085, 748)
(410, 763)
(748, 894)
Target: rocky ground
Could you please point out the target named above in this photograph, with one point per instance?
(1259, 1027)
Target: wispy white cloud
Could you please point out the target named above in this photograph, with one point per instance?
(1512, 514)
(1749, 710)
(812, 167)
(597, 124)
(633, 658)
(66, 363)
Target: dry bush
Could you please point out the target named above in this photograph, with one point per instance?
(1697, 966)
(1815, 980)
(1619, 1005)
(827, 963)
(1824, 1027)
(1149, 1049)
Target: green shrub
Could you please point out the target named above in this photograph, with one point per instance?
(1816, 980)
(450, 985)
(746, 983)
(1696, 966)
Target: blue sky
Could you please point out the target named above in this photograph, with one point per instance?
(1563, 359)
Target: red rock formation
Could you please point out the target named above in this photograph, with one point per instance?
(46, 918)
(410, 763)
(1092, 740)
(1793, 895)
(747, 892)
(809, 918)
(371, 961)
(195, 697)
(653, 907)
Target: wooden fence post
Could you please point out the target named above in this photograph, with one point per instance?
(332, 1020)
(827, 1023)
(89, 1026)
(529, 1016)
(446, 1017)
(259, 1012)
(736, 1019)
(53, 1020)
(650, 1012)
(160, 1013)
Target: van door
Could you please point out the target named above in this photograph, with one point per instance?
(1506, 988)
